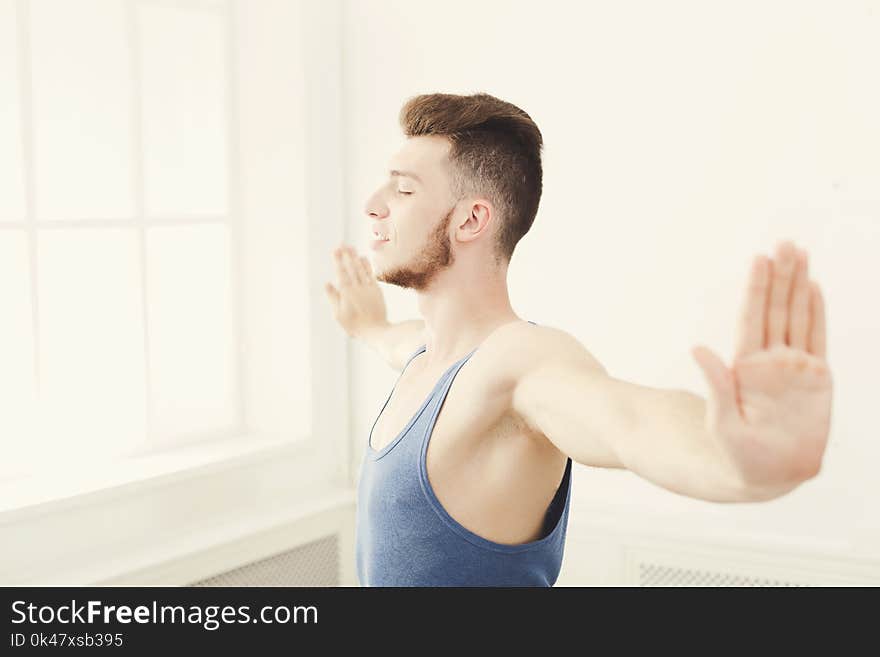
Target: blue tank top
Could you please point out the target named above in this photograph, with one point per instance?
(405, 537)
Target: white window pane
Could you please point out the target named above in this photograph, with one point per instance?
(17, 380)
(12, 203)
(183, 69)
(82, 109)
(191, 330)
(92, 369)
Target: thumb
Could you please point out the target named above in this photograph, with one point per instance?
(722, 403)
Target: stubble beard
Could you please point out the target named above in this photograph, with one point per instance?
(426, 265)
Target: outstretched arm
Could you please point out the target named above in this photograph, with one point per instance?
(760, 433)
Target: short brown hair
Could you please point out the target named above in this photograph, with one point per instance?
(496, 150)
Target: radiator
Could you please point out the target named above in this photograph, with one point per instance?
(653, 574)
(311, 564)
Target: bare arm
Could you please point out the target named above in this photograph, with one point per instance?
(762, 431)
(602, 421)
(359, 307)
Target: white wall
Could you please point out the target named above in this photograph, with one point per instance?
(271, 113)
(681, 139)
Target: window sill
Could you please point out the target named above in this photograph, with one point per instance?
(63, 488)
(155, 517)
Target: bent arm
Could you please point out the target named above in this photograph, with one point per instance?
(394, 342)
(359, 306)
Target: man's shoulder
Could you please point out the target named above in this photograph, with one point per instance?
(518, 348)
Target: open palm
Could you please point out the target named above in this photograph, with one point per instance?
(771, 411)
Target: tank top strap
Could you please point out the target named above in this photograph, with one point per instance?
(414, 354)
(445, 381)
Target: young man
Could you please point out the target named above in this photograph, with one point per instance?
(467, 472)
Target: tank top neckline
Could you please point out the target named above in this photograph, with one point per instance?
(377, 454)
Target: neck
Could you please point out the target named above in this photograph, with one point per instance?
(460, 310)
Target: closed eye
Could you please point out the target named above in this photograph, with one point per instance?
(400, 191)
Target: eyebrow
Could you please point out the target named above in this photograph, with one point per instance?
(405, 174)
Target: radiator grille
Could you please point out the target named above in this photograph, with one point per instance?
(661, 575)
(312, 564)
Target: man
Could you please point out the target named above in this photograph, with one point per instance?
(478, 494)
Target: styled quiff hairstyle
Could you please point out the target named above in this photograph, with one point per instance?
(495, 151)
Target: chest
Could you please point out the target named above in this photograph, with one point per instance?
(417, 393)
(487, 469)
(408, 400)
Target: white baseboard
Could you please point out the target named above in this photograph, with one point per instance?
(608, 549)
(225, 549)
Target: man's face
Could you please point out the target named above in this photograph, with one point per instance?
(413, 210)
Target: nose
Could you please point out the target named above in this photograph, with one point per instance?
(375, 208)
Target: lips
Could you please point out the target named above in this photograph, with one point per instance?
(379, 237)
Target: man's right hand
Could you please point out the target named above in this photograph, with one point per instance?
(357, 301)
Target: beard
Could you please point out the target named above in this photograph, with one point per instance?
(426, 265)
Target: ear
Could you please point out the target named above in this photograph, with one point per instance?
(477, 221)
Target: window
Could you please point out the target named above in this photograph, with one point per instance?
(153, 285)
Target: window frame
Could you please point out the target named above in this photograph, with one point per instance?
(311, 465)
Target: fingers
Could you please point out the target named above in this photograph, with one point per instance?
(367, 269)
(782, 306)
(357, 264)
(799, 310)
(332, 293)
(752, 321)
(342, 275)
(349, 260)
(817, 321)
(351, 268)
(780, 294)
(347, 269)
